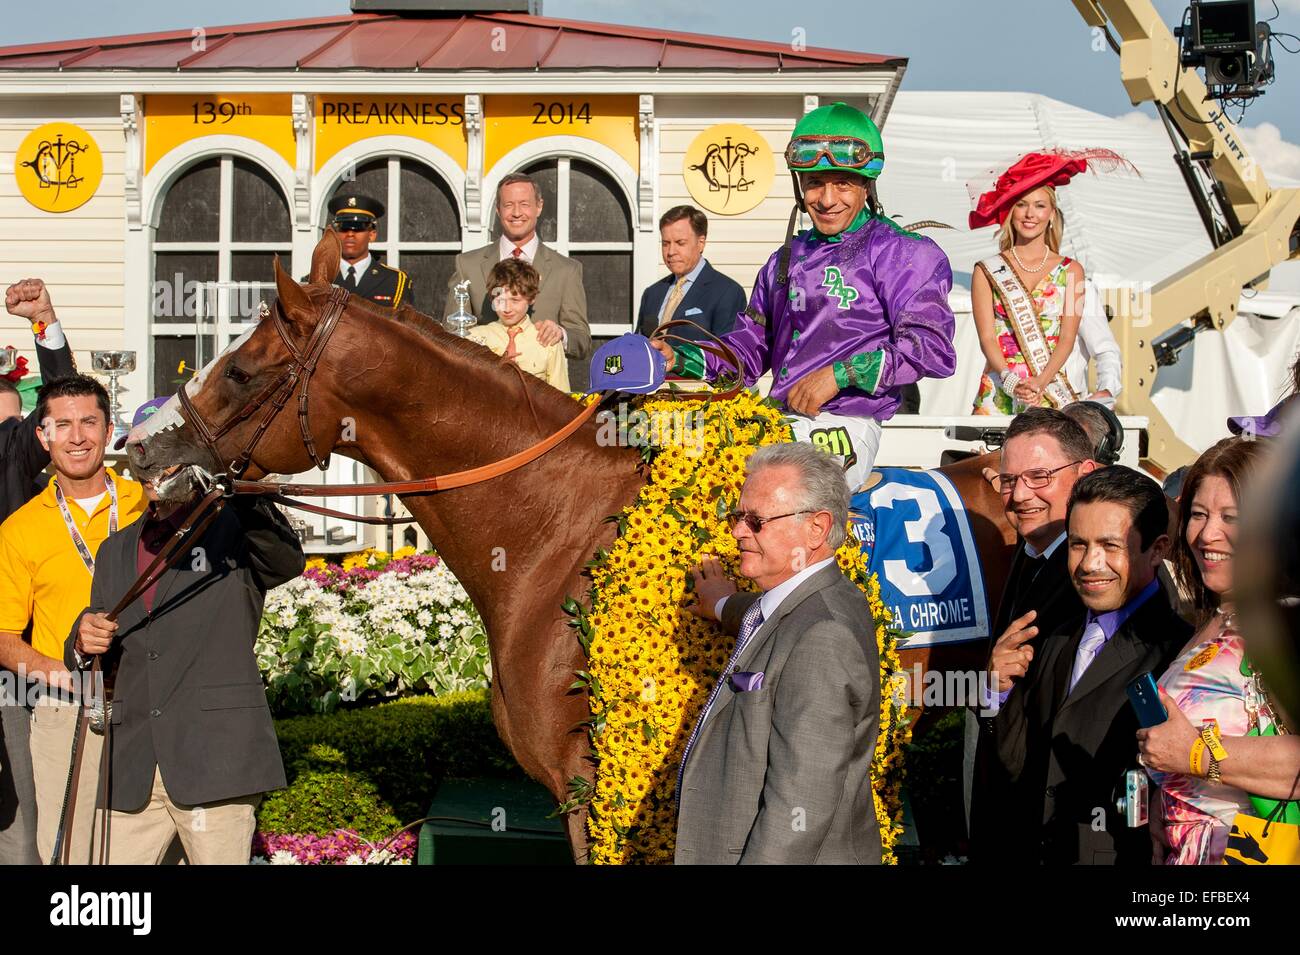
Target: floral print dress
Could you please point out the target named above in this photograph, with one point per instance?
(1207, 682)
(1049, 302)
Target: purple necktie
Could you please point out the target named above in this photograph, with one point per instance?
(749, 625)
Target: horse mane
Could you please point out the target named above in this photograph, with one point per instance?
(476, 360)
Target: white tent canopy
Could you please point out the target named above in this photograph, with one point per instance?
(1124, 229)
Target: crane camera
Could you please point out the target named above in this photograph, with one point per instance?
(1225, 39)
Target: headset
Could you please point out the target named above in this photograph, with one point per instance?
(1109, 447)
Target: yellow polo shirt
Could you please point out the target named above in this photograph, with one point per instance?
(42, 576)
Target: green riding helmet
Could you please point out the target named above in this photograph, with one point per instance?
(836, 137)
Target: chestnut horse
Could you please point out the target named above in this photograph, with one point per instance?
(414, 401)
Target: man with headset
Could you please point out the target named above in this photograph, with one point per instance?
(1103, 429)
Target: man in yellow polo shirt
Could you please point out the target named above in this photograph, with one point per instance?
(47, 561)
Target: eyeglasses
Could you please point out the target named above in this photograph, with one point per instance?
(843, 151)
(754, 522)
(1034, 478)
(352, 228)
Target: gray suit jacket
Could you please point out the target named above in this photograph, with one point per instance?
(189, 697)
(561, 297)
(782, 774)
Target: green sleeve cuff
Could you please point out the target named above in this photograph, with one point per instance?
(690, 361)
(862, 371)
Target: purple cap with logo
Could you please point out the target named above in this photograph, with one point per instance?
(628, 363)
(1262, 426)
(142, 414)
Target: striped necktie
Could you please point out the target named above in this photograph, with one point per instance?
(749, 625)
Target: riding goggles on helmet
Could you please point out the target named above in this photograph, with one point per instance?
(845, 152)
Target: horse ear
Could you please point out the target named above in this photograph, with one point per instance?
(325, 259)
(293, 297)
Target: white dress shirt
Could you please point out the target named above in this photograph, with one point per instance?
(361, 267)
(1095, 342)
(529, 248)
(770, 601)
(1051, 548)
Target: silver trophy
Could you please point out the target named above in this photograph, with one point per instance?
(114, 364)
(460, 321)
(8, 359)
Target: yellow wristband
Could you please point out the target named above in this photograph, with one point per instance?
(1197, 759)
(1210, 734)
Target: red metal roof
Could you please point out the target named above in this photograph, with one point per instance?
(391, 42)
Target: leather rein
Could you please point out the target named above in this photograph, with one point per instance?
(270, 402)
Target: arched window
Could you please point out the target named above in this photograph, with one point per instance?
(586, 217)
(221, 223)
(420, 230)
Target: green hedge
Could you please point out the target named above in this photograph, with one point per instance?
(396, 752)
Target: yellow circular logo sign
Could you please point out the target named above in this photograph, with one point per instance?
(728, 169)
(58, 167)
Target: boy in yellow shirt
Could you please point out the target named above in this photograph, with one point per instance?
(47, 560)
(514, 285)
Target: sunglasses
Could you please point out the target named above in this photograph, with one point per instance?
(754, 522)
(1034, 478)
(843, 151)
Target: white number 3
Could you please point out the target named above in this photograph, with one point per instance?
(926, 529)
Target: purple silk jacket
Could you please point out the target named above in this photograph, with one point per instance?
(875, 288)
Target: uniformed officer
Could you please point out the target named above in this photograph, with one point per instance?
(359, 272)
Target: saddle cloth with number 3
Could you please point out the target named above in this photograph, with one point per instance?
(918, 535)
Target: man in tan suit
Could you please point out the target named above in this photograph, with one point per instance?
(560, 312)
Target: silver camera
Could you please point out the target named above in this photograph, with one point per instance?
(1132, 801)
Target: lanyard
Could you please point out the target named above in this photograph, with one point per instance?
(78, 541)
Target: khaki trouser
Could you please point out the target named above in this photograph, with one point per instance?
(217, 834)
(53, 725)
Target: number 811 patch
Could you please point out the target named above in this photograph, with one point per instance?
(835, 441)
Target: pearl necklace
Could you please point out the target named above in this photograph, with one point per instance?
(1041, 265)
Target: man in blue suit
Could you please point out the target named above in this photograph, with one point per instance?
(695, 290)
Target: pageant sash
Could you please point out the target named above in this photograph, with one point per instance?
(1029, 334)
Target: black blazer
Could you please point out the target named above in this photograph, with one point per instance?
(1078, 746)
(718, 297)
(189, 697)
(1031, 585)
(22, 458)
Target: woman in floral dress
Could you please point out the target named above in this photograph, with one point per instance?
(1023, 203)
(1212, 680)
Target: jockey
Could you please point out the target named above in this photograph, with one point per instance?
(848, 311)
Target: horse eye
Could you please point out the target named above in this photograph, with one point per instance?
(235, 374)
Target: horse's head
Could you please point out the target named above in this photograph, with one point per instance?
(229, 411)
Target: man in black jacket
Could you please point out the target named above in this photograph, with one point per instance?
(1072, 737)
(22, 459)
(193, 747)
(1043, 455)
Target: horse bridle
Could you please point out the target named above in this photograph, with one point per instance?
(272, 399)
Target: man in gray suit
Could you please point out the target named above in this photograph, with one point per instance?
(560, 311)
(778, 766)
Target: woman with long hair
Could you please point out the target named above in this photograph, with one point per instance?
(1224, 741)
(1028, 299)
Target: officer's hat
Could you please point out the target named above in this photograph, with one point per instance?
(354, 211)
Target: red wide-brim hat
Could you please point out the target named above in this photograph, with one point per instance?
(1054, 167)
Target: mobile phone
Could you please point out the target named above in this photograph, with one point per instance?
(1145, 698)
